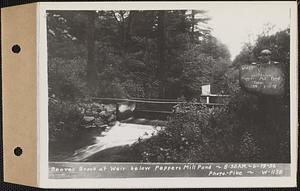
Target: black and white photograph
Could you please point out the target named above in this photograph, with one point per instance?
(169, 92)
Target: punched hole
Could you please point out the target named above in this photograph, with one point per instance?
(16, 48)
(18, 151)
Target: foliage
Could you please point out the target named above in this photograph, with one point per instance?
(249, 151)
(196, 133)
(262, 119)
(64, 121)
(127, 49)
(243, 132)
(278, 44)
(66, 77)
(205, 63)
(166, 54)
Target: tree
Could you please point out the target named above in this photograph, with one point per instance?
(161, 49)
(196, 17)
(266, 118)
(91, 65)
(144, 47)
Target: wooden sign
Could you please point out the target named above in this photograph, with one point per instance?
(262, 79)
(205, 89)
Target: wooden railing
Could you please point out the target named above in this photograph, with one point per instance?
(158, 106)
(152, 101)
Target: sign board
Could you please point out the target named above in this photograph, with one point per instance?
(263, 79)
(205, 89)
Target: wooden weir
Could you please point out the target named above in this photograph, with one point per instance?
(155, 106)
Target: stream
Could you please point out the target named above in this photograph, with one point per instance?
(121, 134)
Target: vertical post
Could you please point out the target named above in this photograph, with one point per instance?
(207, 99)
(117, 111)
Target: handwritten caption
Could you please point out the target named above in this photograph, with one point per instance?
(265, 79)
(110, 170)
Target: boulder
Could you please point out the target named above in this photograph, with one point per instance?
(99, 122)
(111, 118)
(96, 105)
(110, 107)
(88, 112)
(88, 119)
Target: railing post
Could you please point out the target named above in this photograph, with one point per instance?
(207, 99)
(117, 111)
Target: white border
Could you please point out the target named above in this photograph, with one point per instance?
(156, 182)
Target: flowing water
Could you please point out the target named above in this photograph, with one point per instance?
(120, 134)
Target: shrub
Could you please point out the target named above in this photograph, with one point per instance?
(242, 131)
(194, 134)
(249, 151)
(66, 77)
(260, 121)
(64, 121)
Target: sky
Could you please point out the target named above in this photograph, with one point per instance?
(236, 24)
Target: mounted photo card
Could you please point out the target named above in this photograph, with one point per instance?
(150, 94)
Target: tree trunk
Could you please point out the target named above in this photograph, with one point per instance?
(123, 31)
(161, 37)
(193, 26)
(91, 65)
(128, 28)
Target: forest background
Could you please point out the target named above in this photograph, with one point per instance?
(169, 55)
